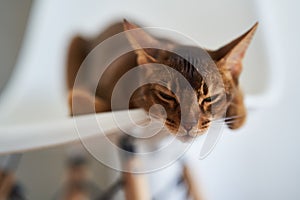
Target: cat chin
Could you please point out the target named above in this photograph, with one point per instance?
(185, 138)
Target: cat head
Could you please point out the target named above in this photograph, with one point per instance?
(212, 75)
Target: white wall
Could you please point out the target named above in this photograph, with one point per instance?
(12, 29)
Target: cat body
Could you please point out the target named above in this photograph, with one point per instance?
(189, 112)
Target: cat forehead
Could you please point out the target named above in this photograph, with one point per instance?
(195, 55)
(186, 58)
(194, 64)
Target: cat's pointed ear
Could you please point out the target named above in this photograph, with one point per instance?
(232, 54)
(139, 39)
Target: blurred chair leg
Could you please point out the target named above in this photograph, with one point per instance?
(136, 187)
(193, 187)
(78, 184)
(8, 185)
(7, 181)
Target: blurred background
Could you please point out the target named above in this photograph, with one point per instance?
(259, 161)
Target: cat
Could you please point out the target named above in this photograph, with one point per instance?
(198, 115)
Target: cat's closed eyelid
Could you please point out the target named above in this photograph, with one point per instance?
(211, 99)
(166, 96)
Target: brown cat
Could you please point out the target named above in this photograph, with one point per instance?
(184, 116)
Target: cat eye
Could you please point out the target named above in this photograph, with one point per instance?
(210, 99)
(166, 96)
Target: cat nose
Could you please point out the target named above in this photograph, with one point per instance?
(188, 125)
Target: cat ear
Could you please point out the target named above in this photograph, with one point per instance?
(232, 54)
(139, 39)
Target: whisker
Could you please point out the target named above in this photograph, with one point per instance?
(228, 118)
(234, 117)
(221, 123)
(231, 122)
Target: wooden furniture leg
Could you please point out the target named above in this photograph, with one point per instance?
(193, 188)
(7, 182)
(136, 186)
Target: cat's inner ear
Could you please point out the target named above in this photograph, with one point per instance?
(139, 39)
(232, 54)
